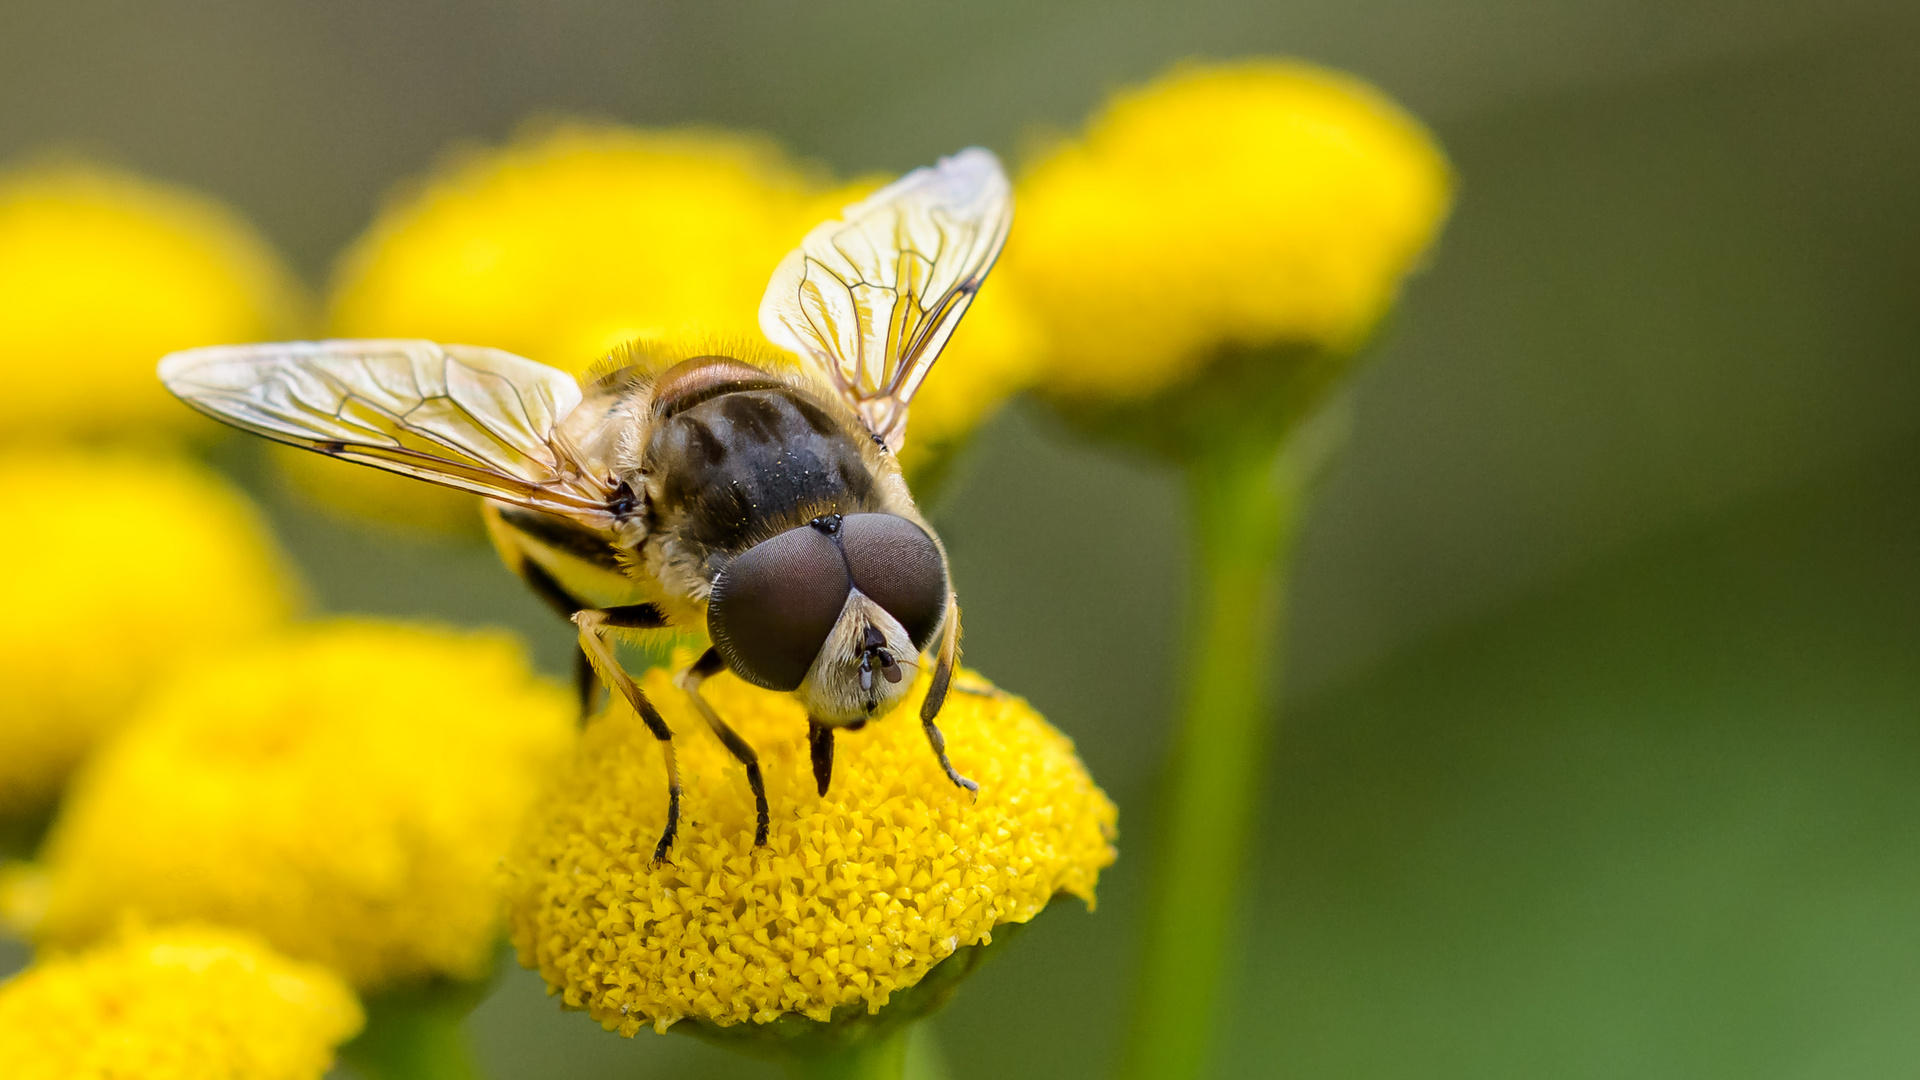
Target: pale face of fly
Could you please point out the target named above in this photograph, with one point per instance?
(760, 500)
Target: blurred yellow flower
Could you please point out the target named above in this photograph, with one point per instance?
(23, 897)
(565, 244)
(1245, 204)
(561, 246)
(114, 569)
(857, 894)
(346, 792)
(575, 240)
(366, 495)
(184, 1003)
(101, 274)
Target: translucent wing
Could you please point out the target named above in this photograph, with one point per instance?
(872, 297)
(477, 419)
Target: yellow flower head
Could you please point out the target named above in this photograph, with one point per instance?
(856, 896)
(1245, 204)
(184, 1003)
(101, 274)
(114, 569)
(346, 792)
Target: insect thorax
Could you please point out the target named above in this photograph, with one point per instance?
(744, 465)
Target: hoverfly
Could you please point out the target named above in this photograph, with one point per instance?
(755, 497)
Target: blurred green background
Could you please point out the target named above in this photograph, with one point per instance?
(1601, 746)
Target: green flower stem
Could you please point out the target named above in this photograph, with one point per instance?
(416, 1035)
(1245, 496)
(882, 1056)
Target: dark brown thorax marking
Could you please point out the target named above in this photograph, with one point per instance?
(742, 456)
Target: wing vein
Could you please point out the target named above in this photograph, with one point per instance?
(476, 419)
(871, 299)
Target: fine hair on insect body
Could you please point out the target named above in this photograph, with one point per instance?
(752, 491)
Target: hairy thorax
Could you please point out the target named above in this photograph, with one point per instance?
(726, 468)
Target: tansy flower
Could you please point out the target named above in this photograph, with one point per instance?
(856, 896)
(114, 569)
(185, 1003)
(346, 792)
(1246, 204)
(101, 273)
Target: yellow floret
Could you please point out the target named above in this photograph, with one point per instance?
(857, 894)
(114, 569)
(184, 1003)
(347, 792)
(102, 273)
(1245, 204)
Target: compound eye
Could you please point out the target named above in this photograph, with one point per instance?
(773, 607)
(900, 568)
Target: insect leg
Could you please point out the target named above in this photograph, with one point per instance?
(557, 597)
(544, 587)
(937, 693)
(549, 589)
(624, 617)
(820, 743)
(586, 685)
(594, 624)
(709, 665)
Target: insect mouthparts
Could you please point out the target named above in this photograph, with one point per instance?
(875, 654)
